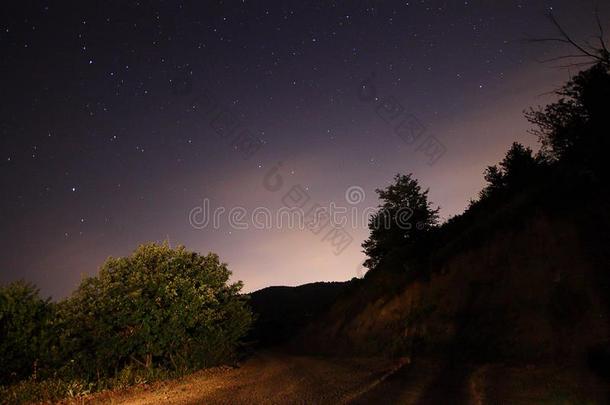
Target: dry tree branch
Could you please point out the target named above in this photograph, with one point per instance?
(589, 63)
(567, 38)
(562, 57)
(601, 30)
(589, 51)
(534, 40)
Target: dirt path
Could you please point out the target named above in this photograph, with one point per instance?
(267, 378)
(276, 378)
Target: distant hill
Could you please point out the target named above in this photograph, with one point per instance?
(283, 311)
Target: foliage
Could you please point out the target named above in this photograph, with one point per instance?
(157, 313)
(575, 128)
(516, 170)
(160, 306)
(53, 389)
(402, 220)
(25, 331)
(31, 390)
(573, 134)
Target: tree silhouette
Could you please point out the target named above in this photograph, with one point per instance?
(514, 171)
(574, 130)
(402, 219)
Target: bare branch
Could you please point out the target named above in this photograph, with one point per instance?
(548, 93)
(601, 30)
(585, 50)
(567, 38)
(570, 65)
(534, 40)
(562, 57)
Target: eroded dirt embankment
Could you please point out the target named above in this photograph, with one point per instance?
(528, 293)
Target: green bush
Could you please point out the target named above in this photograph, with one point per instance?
(157, 313)
(26, 333)
(160, 307)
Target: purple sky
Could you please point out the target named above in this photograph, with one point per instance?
(106, 141)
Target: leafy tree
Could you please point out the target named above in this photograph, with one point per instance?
(25, 331)
(517, 168)
(402, 219)
(158, 307)
(575, 128)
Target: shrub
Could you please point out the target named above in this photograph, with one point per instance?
(159, 307)
(25, 331)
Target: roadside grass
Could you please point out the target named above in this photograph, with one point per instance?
(56, 389)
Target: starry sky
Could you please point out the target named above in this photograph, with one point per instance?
(121, 120)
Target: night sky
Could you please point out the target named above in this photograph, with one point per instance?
(119, 119)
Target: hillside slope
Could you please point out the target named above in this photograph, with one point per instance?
(527, 284)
